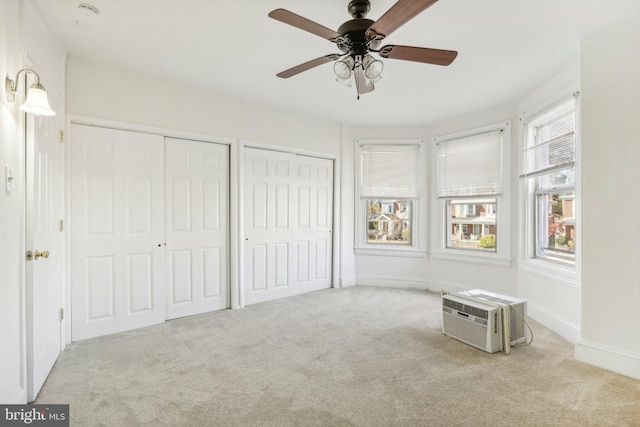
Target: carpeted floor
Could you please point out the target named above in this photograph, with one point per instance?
(341, 357)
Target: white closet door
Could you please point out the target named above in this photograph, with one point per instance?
(196, 189)
(313, 240)
(287, 224)
(117, 218)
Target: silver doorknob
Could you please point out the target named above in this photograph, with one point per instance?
(43, 254)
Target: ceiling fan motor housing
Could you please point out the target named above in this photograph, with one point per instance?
(355, 31)
(359, 8)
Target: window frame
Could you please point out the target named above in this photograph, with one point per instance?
(416, 246)
(541, 228)
(568, 273)
(441, 250)
(450, 202)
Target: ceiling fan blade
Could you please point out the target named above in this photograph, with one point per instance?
(308, 65)
(361, 82)
(419, 54)
(398, 15)
(298, 21)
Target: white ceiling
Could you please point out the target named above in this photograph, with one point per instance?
(506, 48)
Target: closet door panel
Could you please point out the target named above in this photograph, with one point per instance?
(196, 182)
(288, 214)
(117, 231)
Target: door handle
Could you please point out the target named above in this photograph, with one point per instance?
(43, 254)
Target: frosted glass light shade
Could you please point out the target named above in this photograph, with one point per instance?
(372, 67)
(37, 102)
(343, 67)
(369, 81)
(344, 82)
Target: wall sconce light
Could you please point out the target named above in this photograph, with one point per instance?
(37, 102)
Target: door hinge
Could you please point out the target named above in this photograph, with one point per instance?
(61, 225)
(61, 314)
(61, 136)
(29, 255)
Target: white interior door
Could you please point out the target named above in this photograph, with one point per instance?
(197, 205)
(287, 224)
(44, 239)
(314, 220)
(117, 235)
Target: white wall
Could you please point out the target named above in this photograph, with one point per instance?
(104, 92)
(427, 272)
(611, 158)
(12, 304)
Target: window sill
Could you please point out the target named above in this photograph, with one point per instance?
(473, 258)
(398, 252)
(548, 270)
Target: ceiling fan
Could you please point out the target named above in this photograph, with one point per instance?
(359, 36)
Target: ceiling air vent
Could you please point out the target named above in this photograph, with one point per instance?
(88, 9)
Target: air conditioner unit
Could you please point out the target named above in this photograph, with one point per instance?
(517, 314)
(473, 322)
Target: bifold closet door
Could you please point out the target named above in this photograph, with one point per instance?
(197, 205)
(287, 224)
(117, 233)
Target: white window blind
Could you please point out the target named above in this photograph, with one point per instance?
(551, 141)
(470, 166)
(389, 171)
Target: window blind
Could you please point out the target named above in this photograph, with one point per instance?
(551, 141)
(470, 166)
(389, 171)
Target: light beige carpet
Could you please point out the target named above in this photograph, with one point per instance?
(342, 357)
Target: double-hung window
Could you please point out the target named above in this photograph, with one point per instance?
(470, 184)
(550, 173)
(388, 194)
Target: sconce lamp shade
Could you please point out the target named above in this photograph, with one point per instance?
(37, 102)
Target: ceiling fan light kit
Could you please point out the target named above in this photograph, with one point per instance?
(372, 67)
(358, 37)
(344, 66)
(345, 82)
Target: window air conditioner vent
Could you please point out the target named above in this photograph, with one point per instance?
(468, 309)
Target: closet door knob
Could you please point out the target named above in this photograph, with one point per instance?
(43, 254)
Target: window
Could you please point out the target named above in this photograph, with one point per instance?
(549, 171)
(467, 224)
(389, 221)
(469, 178)
(388, 193)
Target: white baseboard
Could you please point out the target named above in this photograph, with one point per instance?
(610, 358)
(565, 329)
(439, 286)
(409, 283)
(560, 326)
(346, 281)
(392, 282)
(20, 397)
